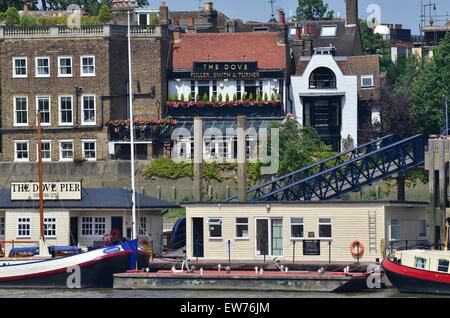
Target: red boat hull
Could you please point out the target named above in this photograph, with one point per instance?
(412, 280)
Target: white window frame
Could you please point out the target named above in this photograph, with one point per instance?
(93, 222)
(83, 119)
(443, 260)
(16, 159)
(36, 67)
(248, 228)
(27, 221)
(142, 225)
(16, 124)
(318, 228)
(371, 77)
(220, 222)
(293, 238)
(14, 67)
(37, 152)
(49, 109)
(82, 74)
(85, 141)
(50, 221)
(270, 236)
(2, 226)
(60, 123)
(61, 150)
(424, 263)
(59, 66)
(418, 229)
(328, 27)
(390, 230)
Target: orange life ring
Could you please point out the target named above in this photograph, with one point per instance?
(357, 248)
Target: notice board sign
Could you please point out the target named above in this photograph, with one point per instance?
(311, 247)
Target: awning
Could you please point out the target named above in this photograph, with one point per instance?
(322, 94)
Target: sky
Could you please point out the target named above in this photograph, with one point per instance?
(406, 12)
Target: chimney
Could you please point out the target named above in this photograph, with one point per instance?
(120, 9)
(209, 6)
(191, 25)
(164, 13)
(26, 6)
(352, 12)
(282, 17)
(298, 32)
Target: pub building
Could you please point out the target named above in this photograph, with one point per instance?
(219, 76)
(76, 216)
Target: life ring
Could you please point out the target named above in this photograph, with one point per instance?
(115, 234)
(357, 248)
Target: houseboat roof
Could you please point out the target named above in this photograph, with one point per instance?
(372, 203)
(104, 198)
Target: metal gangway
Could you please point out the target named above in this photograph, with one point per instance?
(346, 172)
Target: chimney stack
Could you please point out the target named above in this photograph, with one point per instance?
(352, 12)
(164, 13)
(282, 17)
(26, 6)
(298, 32)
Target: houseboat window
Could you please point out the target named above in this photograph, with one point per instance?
(423, 229)
(23, 227)
(215, 227)
(142, 225)
(367, 81)
(203, 89)
(443, 266)
(242, 227)
(297, 228)
(50, 227)
(322, 78)
(420, 263)
(2, 226)
(394, 230)
(100, 226)
(86, 226)
(325, 228)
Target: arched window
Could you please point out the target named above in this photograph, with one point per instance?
(322, 77)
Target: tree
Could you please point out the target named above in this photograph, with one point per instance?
(12, 16)
(373, 44)
(430, 89)
(18, 4)
(309, 10)
(104, 14)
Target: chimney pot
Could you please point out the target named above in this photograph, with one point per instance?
(282, 17)
(26, 6)
(298, 33)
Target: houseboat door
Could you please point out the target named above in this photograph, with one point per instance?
(262, 237)
(197, 237)
(74, 231)
(269, 237)
(117, 223)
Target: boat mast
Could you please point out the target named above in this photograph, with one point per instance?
(130, 93)
(41, 189)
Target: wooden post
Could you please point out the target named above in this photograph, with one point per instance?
(401, 187)
(242, 159)
(442, 186)
(431, 192)
(198, 159)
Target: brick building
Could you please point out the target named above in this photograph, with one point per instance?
(78, 79)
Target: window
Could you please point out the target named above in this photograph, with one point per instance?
(261, 29)
(420, 263)
(203, 90)
(65, 66)
(214, 90)
(423, 229)
(89, 150)
(88, 110)
(239, 90)
(142, 225)
(42, 67)
(66, 150)
(322, 78)
(394, 230)
(43, 105)
(325, 228)
(242, 227)
(2, 226)
(20, 111)
(21, 151)
(215, 227)
(46, 150)
(20, 67)
(24, 227)
(442, 265)
(93, 226)
(297, 228)
(328, 30)
(65, 110)
(50, 227)
(87, 66)
(366, 81)
(193, 90)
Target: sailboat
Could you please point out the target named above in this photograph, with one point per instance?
(93, 269)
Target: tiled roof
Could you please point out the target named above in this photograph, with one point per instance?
(261, 47)
(90, 199)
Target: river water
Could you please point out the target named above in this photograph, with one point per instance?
(111, 293)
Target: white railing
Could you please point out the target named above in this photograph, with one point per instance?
(146, 30)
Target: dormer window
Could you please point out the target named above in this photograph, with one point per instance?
(328, 31)
(367, 81)
(322, 78)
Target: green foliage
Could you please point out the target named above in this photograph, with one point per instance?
(2, 16)
(197, 98)
(373, 44)
(190, 98)
(27, 20)
(234, 97)
(266, 97)
(12, 16)
(430, 89)
(176, 213)
(227, 98)
(169, 169)
(182, 97)
(370, 195)
(205, 97)
(250, 97)
(259, 97)
(278, 96)
(154, 20)
(244, 96)
(309, 10)
(104, 14)
(220, 98)
(272, 97)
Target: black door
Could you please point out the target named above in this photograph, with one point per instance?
(197, 231)
(117, 223)
(74, 231)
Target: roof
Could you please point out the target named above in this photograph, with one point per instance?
(342, 202)
(220, 47)
(91, 199)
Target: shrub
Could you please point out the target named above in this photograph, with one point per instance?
(244, 97)
(197, 98)
(220, 97)
(154, 20)
(266, 97)
(234, 98)
(190, 98)
(104, 14)
(12, 16)
(272, 97)
(227, 98)
(250, 97)
(182, 97)
(205, 97)
(2, 16)
(27, 20)
(278, 96)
